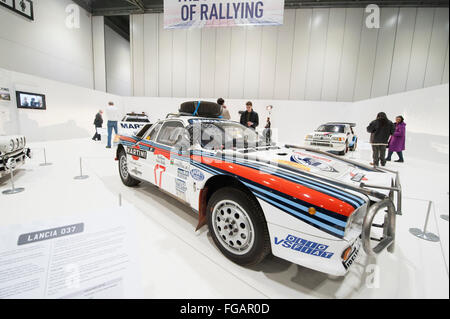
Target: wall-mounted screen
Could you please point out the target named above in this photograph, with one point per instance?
(26, 100)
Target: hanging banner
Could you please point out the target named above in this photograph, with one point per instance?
(182, 14)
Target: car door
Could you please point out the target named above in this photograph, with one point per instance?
(143, 167)
(171, 165)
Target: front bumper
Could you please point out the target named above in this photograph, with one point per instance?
(326, 145)
(19, 158)
(317, 253)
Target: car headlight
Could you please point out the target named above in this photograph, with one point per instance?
(339, 139)
(307, 137)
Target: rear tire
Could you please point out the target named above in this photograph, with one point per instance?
(238, 226)
(353, 148)
(125, 176)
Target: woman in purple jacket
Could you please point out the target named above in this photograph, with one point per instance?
(397, 141)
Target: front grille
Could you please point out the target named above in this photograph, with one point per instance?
(19, 157)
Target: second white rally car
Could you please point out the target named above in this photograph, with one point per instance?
(309, 207)
(132, 122)
(333, 137)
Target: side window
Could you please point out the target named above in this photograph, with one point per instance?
(143, 131)
(154, 132)
(170, 133)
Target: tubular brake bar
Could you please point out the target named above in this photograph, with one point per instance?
(387, 241)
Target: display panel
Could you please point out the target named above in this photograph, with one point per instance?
(26, 100)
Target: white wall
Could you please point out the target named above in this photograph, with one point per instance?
(98, 51)
(426, 114)
(318, 54)
(118, 63)
(46, 47)
(70, 109)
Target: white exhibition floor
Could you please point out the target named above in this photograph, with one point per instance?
(177, 262)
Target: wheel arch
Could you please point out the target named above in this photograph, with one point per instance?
(119, 148)
(212, 185)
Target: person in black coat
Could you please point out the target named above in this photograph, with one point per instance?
(380, 130)
(249, 118)
(98, 123)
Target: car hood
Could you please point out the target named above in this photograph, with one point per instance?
(300, 161)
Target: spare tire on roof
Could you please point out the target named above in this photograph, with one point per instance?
(205, 109)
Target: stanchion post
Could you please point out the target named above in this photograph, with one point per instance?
(81, 176)
(13, 189)
(45, 160)
(422, 233)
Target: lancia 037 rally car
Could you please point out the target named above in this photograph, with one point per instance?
(13, 152)
(333, 137)
(306, 206)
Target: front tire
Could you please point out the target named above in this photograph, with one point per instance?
(125, 176)
(238, 227)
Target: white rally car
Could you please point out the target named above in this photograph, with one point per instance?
(309, 207)
(13, 152)
(132, 122)
(333, 137)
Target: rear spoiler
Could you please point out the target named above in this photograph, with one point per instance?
(347, 123)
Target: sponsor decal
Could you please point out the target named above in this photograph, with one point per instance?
(183, 174)
(136, 153)
(180, 185)
(160, 159)
(352, 256)
(304, 246)
(197, 174)
(358, 177)
(312, 162)
(314, 156)
(131, 126)
(181, 164)
(296, 165)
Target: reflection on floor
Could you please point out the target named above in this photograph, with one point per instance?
(177, 262)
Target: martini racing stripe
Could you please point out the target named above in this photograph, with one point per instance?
(348, 197)
(355, 201)
(328, 215)
(326, 223)
(289, 188)
(351, 199)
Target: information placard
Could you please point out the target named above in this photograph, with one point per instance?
(93, 256)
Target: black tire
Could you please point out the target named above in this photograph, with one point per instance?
(259, 247)
(345, 150)
(126, 178)
(353, 148)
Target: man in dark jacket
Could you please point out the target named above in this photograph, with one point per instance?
(249, 118)
(98, 123)
(380, 130)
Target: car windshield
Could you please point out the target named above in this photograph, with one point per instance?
(219, 135)
(331, 128)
